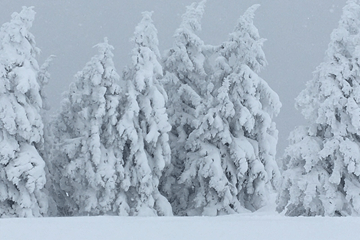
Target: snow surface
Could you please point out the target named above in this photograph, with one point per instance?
(250, 226)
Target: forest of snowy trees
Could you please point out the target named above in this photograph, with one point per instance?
(190, 132)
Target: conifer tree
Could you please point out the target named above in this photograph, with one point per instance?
(322, 162)
(247, 105)
(22, 169)
(184, 66)
(144, 126)
(86, 155)
(224, 121)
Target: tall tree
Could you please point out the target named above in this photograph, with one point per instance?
(184, 65)
(247, 105)
(144, 125)
(223, 120)
(87, 155)
(22, 169)
(322, 162)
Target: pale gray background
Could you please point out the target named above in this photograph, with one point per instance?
(297, 31)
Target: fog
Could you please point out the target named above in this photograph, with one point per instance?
(297, 33)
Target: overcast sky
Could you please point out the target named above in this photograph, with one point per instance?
(297, 33)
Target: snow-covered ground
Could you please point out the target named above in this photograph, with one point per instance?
(243, 226)
(265, 224)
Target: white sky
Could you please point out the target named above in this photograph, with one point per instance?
(298, 32)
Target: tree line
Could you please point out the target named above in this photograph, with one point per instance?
(189, 132)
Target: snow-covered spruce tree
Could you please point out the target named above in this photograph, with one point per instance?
(185, 84)
(144, 126)
(225, 139)
(22, 169)
(87, 159)
(322, 162)
(230, 152)
(246, 105)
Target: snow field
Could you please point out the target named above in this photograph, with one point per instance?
(248, 226)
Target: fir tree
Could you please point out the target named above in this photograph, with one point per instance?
(86, 156)
(247, 105)
(184, 65)
(144, 126)
(22, 169)
(322, 173)
(227, 160)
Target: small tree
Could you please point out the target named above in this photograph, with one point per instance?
(144, 126)
(87, 156)
(22, 174)
(322, 173)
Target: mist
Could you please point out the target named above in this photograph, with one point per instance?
(297, 34)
